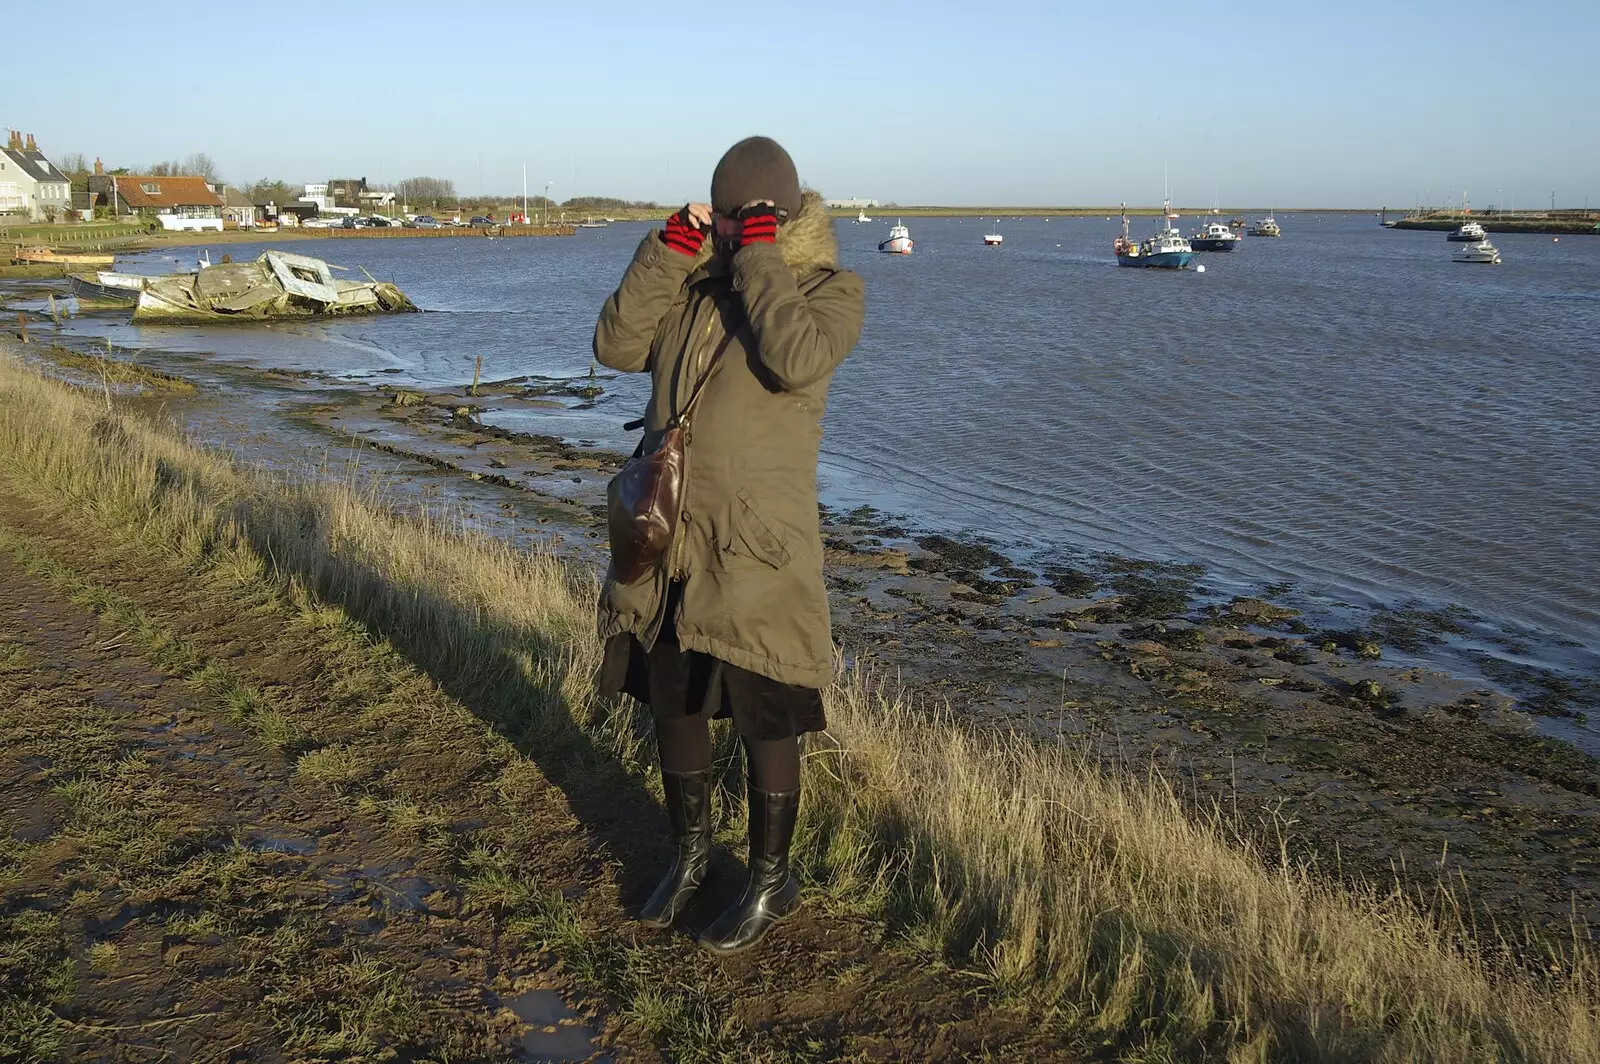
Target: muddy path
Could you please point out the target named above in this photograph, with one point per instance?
(237, 825)
(173, 890)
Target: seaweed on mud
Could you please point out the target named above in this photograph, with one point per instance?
(1361, 644)
(1073, 583)
(1374, 696)
(971, 555)
(978, 583)
(1413, 629)
(1245, 612)
(872, 520)
(1293, 654)
(1187, 638)
(1543, 691)
(1011, 572)
(1144, 595)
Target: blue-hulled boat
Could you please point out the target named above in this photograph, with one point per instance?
(1167, 250)
(1215, 236)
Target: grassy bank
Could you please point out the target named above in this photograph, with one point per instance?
(1092, 898)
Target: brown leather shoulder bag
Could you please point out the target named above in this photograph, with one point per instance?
(644, 499)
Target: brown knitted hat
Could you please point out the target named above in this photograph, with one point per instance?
(756, 168)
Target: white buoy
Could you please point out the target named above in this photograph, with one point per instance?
(1199, 269)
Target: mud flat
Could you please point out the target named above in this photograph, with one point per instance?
(509, 847)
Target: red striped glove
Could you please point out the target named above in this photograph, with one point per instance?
(683, 234)
(760, 225)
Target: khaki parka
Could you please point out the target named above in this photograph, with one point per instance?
(749, 547)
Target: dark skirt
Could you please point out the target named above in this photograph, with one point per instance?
(676, 683)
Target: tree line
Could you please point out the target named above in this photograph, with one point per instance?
(433, 193)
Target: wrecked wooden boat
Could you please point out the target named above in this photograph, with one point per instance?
(103, 288)
(276, 286)
(52, 257)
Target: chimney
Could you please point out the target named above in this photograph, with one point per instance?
(14, 141)
(31, 145)
(99, 167)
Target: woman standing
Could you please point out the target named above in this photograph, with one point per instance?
(744, 297)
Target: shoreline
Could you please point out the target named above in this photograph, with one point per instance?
(135, 241)
(1239, 696)
(357, 761)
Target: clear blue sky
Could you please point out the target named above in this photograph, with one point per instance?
(1352, 104)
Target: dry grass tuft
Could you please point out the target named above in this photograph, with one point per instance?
(1092, 894)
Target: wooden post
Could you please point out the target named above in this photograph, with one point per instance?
(22, 324)
(55, 315)
(477, 367)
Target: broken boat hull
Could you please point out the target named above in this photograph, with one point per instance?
(106, 289)
(275, 286)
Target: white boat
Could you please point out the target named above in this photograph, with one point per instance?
(899, 242)
(1482, 251)
(1267, 226)
(994, 240)
(861, 217)
(1469, 233)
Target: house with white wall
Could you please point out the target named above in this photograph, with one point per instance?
(30, 185)
(186, 203)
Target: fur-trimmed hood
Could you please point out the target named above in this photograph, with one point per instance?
(806, 240)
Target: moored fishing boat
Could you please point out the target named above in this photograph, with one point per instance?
(1468, 233)
(994, 240)
(1215, 236)
(861, 218)
(63, 258)
(1267, 226)
(1166, 250)
(1480, 252)
(899, 242)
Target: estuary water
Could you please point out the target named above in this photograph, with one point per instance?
(1343, 408)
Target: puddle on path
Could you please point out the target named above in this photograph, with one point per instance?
(556, 1032)
(282, 842)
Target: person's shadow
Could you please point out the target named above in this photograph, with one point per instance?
(507, 675)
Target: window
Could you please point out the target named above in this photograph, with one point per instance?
(150, 188)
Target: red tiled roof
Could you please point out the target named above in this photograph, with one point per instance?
(169, 192)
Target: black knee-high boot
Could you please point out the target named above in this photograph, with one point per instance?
(772, 892)
(688, 799)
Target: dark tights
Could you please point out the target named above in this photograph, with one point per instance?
(685, 744)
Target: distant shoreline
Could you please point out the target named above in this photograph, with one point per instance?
(1557, 226)
(1082, 212)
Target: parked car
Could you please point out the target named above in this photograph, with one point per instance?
(480, 219)
(424, 221)
(378, 221)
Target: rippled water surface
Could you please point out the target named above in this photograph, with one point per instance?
(1343, 407)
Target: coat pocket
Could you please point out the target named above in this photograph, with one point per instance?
(754, 536)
